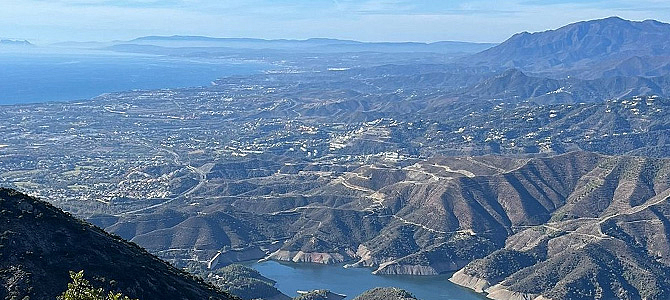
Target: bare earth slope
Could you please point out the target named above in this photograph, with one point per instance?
(608, 241)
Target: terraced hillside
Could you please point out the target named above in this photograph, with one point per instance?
(439, 215)
(608, 240)
(418, 217)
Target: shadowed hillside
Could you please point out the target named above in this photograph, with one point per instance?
(39, 245)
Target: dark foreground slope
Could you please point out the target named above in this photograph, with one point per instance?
(39, 244)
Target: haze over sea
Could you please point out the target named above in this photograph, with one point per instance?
(36, 78)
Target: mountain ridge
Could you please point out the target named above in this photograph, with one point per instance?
(204, 44)
(308, 40)
(576, 48)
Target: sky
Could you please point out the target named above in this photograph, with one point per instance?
(48, 21)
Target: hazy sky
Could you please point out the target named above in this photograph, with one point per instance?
(45, 21)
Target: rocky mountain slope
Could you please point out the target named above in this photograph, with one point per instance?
(39, 245)
(589, 61)
(494, 216)
(607, 241)
(515, 86)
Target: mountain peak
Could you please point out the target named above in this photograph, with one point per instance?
(612, 19)
(578, 47)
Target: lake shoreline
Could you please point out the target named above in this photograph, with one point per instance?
(291, 277)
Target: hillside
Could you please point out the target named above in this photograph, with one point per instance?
(607, 241)
(515, 86)
(386, 294)
(492, 215)
(240, 281)
(40, 244)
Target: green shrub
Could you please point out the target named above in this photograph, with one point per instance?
(81, 289)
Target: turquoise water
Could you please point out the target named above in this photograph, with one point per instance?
(36, 77)
(354, 281)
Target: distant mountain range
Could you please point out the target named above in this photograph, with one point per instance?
(589, 50)
(15, 43)
(309, 45)
(611, 47)
(589, 61)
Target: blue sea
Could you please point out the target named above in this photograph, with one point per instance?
(39, 77)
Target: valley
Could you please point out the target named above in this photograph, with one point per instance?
(533, 180)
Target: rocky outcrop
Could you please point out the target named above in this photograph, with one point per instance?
(397, 269)
(319, 295)
(386, 294)
(309, 257)
(225, 258)
(496, 292)
(476, 284)
(366, 259)
(499, 292)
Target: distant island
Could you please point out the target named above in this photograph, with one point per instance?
(16, 43)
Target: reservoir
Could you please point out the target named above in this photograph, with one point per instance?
(292, 277)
